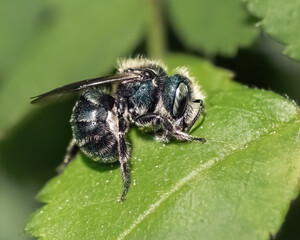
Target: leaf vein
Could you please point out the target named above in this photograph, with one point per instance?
(185, 180)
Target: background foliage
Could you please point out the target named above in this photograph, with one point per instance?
(48, 43)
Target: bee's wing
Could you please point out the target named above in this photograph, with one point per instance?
(77, 86)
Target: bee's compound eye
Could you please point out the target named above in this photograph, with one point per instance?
(180, 100)
(149, 74)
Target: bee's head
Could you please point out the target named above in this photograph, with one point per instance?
(182, 99)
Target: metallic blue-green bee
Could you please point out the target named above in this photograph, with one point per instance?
(143, 95)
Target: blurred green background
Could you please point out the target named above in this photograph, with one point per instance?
(47, 43)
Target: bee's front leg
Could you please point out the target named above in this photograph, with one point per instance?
(156, 119)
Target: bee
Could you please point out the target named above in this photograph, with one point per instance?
(140, 93)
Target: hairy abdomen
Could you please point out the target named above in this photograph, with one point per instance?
(92, 126)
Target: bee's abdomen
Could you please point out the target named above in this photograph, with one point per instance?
(92, 126)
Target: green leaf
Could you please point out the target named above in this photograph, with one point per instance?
(280, 19)
(238, 185)
(83, 40)
(215, 27)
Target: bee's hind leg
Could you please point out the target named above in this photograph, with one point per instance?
(72, 150)
(123, 157)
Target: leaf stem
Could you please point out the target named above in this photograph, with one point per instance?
(156, 36)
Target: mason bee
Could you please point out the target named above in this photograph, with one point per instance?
(141, 93)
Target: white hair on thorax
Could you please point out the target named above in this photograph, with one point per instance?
(140, 62)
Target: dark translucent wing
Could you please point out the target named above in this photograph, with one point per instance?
(77, 86)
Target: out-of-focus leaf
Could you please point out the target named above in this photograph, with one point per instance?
(16, 203)
(83, 41)
(41, 140)
(238, 185)
(214, 26)
(281, 20)
(20, 22)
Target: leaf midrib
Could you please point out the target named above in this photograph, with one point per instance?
(195, 173)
